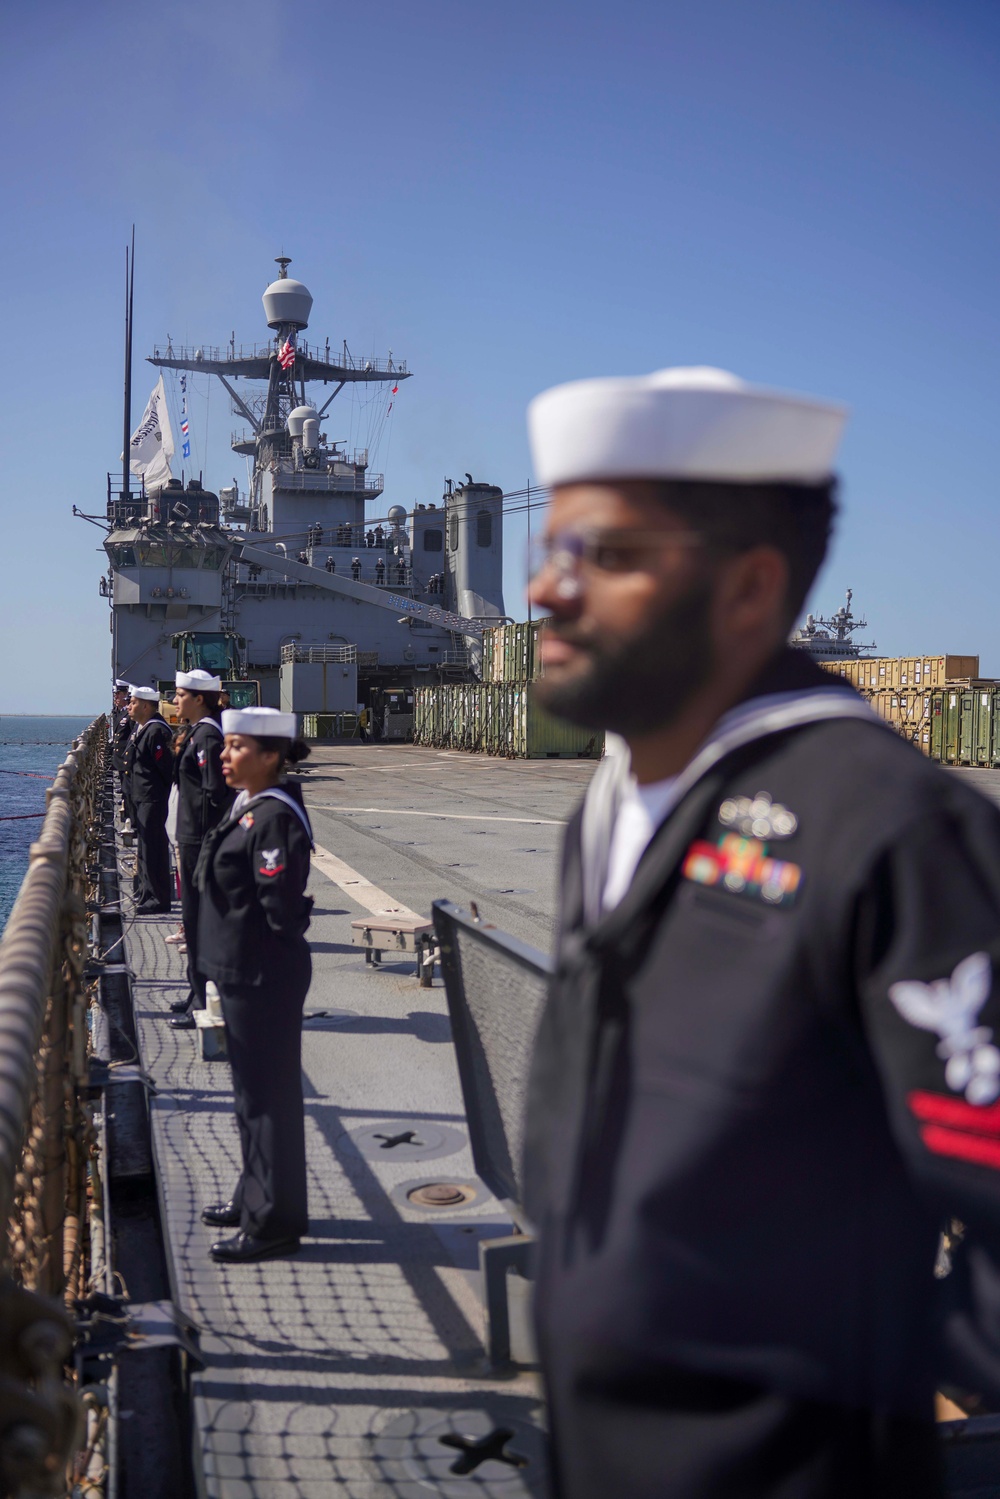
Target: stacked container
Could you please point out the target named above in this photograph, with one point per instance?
(510, 653)
(498, 716)
(884, 673)
(939, 703)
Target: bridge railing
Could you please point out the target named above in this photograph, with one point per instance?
(46, 1129)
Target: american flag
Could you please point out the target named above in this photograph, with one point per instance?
(286, 354)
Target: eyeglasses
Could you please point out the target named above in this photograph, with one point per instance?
(606, 551)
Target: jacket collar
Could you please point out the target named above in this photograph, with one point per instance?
(277, 793)
(790, 693)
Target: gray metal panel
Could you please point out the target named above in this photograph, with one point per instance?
(496, 987)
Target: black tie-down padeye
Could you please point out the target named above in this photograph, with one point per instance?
(472, 1451)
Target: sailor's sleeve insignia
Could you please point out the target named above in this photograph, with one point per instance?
(950, 1008)
(272, 862)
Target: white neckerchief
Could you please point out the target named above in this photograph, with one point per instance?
(211, 723)
(640, 812)
(245, 800)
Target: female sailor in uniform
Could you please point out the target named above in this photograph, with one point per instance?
(203, 799)
(253, 915)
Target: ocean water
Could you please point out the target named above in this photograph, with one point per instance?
(31, 751)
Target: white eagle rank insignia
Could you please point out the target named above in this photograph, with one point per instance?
(269, 861)
(950, 1007)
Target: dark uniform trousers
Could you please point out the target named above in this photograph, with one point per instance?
(187, 858)
(152, 881)
(746, 1125)
(119, 745)
(264, 1035)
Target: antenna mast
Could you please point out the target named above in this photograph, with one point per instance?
(127, 419)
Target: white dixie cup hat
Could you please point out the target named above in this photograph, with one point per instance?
(260, 723)
(685, 423)
(198, 681)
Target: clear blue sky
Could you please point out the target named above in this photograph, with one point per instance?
(507, 196)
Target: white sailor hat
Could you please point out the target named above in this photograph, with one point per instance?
(696, 423)
(145, 694)
(122, 686)
(198, 681)
(259, 723)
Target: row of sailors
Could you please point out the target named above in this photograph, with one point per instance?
(344, 536)
(397, 572)
(243, 847)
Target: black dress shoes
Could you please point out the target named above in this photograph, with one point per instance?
(148, 908)
(222, 1215)
(244, 1247)
(179, 1007)
(182, 1022)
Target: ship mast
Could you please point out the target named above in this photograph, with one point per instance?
(127, 414)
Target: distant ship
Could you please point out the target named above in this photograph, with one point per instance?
(294, 592)
(831, 639)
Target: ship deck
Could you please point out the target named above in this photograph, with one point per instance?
(337, 1371)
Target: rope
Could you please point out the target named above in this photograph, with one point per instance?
(35, 774)
(22, 817)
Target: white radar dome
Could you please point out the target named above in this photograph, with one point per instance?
(287, 301)
(297, 417)
(397, 515)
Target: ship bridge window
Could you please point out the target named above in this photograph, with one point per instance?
(212, 557)
(184, 557)
(433, 540)
(123, 556)
(484, 529)
(152, 554)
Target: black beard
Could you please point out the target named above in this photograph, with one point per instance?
(635, 686)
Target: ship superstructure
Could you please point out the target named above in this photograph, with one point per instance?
(833, 639)
(305, 566)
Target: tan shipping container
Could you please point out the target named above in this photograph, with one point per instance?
(881, 673)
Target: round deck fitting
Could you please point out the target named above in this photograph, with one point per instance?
(462, 1454)
(406, 1140)
(448, 1194)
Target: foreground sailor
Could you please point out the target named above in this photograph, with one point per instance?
(150, 767)
(202, 799)
(253, 915)
(767, 1072)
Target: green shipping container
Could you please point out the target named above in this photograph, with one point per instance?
(329, 725)
(945, 725)
(510, 653)
(497, 718)
(985, 728)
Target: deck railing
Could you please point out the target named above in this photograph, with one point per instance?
(46, 1128)
(337, 359)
